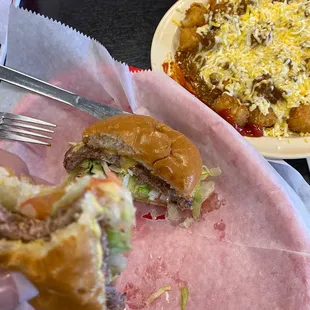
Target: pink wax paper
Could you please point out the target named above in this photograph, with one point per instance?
(251, 253)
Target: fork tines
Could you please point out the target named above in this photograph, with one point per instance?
(14, 127)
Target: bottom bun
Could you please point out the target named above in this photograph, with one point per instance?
(67, 270)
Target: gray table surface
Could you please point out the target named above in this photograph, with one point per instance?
(124, 27)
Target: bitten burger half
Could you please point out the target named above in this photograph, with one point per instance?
(157, 164)
(68, 240)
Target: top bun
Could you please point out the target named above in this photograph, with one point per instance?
(168, 153)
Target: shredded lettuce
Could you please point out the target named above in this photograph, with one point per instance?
(127, 214)
(132, 183)
(142, 190)
(118, 241)
(116, 169)
(212, 172)
(173, 212)
(215, 172)
(184, 297)
(157, 294)
(207, 188)
(118, 218)
(154, 194)
(95, 168)
(116, 263)
(92, 167)
(205, 173)
(76, 172)
(187, 222)
(204, 189)
(197, 202)
(137, 189)
(127, 163)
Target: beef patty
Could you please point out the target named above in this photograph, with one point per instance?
(75, 157)
(144, 175)
(15, 226)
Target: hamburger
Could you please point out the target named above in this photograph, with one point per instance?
(68, 240)
(157, 164)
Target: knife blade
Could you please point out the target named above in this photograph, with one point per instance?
(98, 110)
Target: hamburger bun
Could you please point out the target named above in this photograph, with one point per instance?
(66, 270)
(166, 152)
(70, 266)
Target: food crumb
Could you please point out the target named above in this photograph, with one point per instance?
(167, 296)
(177, 22)
(157, 294)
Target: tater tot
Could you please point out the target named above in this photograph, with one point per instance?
(259, 119)
(299, 120)
(238, 112)
(194, 16)
(189, 39)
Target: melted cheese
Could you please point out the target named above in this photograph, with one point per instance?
(282, 32)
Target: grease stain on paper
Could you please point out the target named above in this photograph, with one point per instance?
(220, 227)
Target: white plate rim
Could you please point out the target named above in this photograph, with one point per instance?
(163, 42)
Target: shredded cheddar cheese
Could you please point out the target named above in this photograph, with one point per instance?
(270, 38)
(177, 22)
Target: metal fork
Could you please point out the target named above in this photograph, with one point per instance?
(11, 128)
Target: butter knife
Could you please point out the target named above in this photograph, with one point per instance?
(98, 110)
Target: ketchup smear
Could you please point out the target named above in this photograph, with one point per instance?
(250, 130)
(149, 217)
